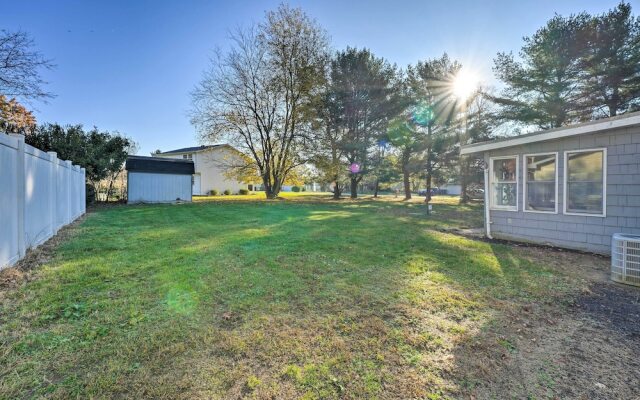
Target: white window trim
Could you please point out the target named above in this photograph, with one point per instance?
(504, 208)
(524, 183)
(604, 182)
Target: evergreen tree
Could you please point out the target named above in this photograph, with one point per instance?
(433, 109)
(612, 62)
(544, 89)
(361, 96)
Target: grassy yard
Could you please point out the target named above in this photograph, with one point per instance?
(298, 298)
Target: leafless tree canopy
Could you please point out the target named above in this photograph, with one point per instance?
(20, 67)
(256, 95)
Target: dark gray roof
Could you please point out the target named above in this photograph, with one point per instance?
(191, 149)
(624, 120)
(160, 165)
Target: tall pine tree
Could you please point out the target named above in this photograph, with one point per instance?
(543, 89)
(612, 62)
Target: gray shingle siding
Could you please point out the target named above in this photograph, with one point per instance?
(589, 233)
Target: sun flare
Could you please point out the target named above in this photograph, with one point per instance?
(465, 84)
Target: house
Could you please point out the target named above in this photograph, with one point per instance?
(156, 180)
(210, 163)
(451, 188)
(570, 187)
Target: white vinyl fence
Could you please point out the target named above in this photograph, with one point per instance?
(39, 194)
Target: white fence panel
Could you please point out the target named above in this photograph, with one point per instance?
(40, 194)
(9, 252)
(38, 188)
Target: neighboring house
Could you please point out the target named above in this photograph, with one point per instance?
(570, 187)
(452, 188)
(210, 163)
(156, 180)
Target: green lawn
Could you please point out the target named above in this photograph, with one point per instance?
(286, 298)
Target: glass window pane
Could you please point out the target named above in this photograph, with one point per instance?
(504, 170)
(541, 183)
(586, 166)
(584, 197)
(541, 168)
(504, 194)
(585, 182)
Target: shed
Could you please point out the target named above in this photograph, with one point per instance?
(571, 187)
(158, 180)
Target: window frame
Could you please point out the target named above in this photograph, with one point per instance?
(491, 182)
(604, 182)
(524, 182)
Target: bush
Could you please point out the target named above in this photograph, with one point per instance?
(227, 192)
(295, 189)
(213, 192)
(243, 191)
(304, 189)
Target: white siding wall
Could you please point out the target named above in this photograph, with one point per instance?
(210, 164)
(147, 187)
(581, 232)
(39, 194)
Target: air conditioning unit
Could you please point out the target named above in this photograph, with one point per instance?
(625, 258)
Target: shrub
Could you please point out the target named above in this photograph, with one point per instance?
(295, 189)
(213, 192)
(304, 189)
(227, 192)
(243, 191)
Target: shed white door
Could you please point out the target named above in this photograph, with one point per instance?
(196, 185)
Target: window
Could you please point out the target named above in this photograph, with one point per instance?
(585, 177)
(504, 183)
(540, 182)
(187, 156)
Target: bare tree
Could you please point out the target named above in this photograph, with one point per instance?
(257, 95)
(20, 67)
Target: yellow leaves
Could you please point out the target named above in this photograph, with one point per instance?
(14, 117)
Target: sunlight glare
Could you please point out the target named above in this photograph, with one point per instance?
(465, 84)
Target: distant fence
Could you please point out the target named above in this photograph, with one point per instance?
(39, 194)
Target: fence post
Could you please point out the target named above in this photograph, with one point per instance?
(83, 190)
(53, 179)
(20, 193)
(68, 190)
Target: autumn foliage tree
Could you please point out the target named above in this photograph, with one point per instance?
(14, 117)
(257, 95)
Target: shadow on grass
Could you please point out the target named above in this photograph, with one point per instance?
(325, 300)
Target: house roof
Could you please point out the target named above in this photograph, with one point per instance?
(620, 121)
(192, 149)
(159, 165)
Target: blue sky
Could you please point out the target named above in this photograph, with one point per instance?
(130, 65)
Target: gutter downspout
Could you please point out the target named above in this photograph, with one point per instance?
(487, 214)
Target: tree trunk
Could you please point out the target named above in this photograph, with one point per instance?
(354, 187)
(109, 188)
(376, 186)
(336, 189)
(406, 183)
(269, 188)
(427, 198)
(613, 103)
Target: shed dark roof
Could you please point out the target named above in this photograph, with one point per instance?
(160, 165)
(191, 149)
